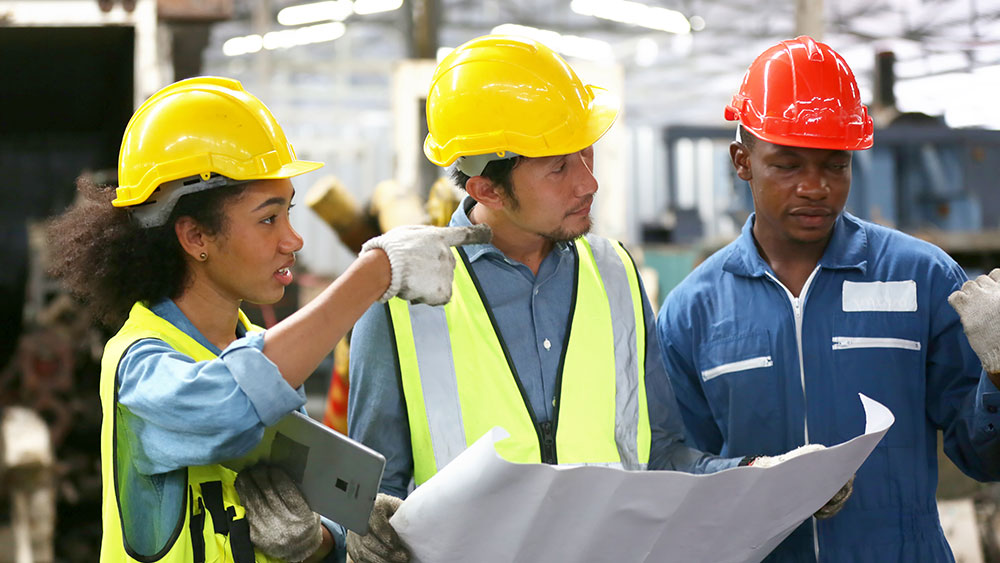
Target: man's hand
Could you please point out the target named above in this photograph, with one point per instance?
(833, 505)
(381, 544)
(978, 305)
(281, 523)
(421, 260)
(771, 461)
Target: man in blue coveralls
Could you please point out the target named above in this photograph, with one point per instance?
(770, 340)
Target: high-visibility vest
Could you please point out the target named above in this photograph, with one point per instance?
(211, 527)
(459, 380)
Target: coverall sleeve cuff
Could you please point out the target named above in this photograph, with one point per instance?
(271, 396)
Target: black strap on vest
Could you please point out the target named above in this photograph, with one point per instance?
(225, 523)
(239, 538)
(196, 525)
(211, 491)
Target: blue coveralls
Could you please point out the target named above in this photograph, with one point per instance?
(758, 371)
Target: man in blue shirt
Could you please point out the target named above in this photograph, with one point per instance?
(769, 342)
(527, 308)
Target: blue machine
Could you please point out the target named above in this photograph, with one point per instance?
(921, 177)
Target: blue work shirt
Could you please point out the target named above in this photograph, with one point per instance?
(180, 413)
(873, 319)
(532, 314)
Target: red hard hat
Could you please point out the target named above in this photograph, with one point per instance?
(801, 93)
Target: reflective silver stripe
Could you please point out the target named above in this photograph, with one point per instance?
(616, 284)
(611, 464)
(438, 382)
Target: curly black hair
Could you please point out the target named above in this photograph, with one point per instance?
(107, 260)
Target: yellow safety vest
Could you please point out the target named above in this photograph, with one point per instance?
(459, 381)
(211, 527)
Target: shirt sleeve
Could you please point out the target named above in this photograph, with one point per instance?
(339, 552)
(961, 399)
(376, 412)
(669, 449)
(180, 412)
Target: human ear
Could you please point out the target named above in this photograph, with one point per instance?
(190, 235)
(740, 155)
(485, 192)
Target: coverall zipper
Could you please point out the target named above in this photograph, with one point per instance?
(798, 308)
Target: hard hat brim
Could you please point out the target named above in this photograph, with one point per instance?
(292, 169)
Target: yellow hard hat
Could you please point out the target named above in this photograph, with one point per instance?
(498, 94)
(200, 127)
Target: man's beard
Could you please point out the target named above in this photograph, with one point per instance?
(558, 235)
(565, 235)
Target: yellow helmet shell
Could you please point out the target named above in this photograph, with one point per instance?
(498, 94)
(201, 126)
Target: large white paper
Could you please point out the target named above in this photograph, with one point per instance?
(483, 508)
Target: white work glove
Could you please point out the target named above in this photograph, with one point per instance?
(978, 305)
(381, 544)
(421, 260)
(833, 505)
(771, 461)
(281, 523)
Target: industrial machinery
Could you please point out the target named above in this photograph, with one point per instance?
(921, 177)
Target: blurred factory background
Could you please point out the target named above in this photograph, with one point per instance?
(347, 80)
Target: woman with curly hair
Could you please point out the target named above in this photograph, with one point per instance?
(198, 224)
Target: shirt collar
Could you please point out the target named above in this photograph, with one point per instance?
(167, 310)
(460, 218)
(847, 249)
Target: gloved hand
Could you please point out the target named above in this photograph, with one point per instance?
(833, 505)
(771, 461)
(978, 305)
(281, 523)
(421, 260)
(381, 544)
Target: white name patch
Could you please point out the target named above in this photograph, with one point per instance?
(891, 296)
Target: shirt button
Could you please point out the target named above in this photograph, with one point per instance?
(546, 343)
(536, 291)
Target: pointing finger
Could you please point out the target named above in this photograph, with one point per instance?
(957, 299)
(458, 236)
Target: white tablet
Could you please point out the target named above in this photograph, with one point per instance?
(338, 476)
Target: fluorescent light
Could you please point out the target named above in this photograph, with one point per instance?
(634, 13)
(284, 39)
(336, 10)
(364, 7)
(646, 52)
(242, 45)
(570, 45)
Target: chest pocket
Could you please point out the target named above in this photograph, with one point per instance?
(882, 354)
(733, 369)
